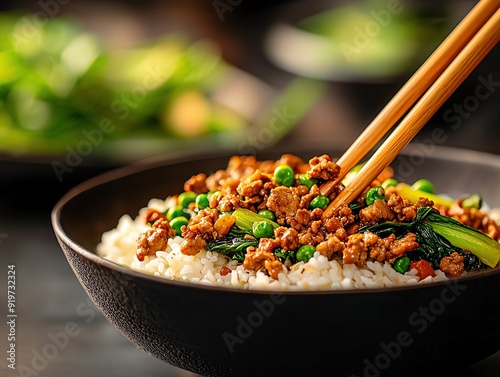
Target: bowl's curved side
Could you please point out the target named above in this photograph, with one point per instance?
(217, 332)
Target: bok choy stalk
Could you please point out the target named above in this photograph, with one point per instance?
(439, 236)
(467, 238)
(240, 237)
(412, 194)
(246, 218)
(408, 192)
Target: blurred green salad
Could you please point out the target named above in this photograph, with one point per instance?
(59, 85)
(377, 38)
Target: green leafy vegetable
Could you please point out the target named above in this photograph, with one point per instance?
(467, 238)
(246, 218)
(234, 245)
(439, 236)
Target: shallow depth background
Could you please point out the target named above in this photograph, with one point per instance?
(59, 332)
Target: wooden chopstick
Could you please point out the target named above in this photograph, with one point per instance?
(465, 62)
(414, 88)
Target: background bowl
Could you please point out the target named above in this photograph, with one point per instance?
(367, 41)
(224, 332)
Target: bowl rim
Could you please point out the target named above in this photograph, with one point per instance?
(440, 153)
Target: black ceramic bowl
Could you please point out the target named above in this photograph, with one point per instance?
(224, 332)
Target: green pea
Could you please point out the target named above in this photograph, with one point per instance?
(389, 182)
(305, 252)
(284, 175)
(305, 180)
(373, 194)
(267, 214)
(321, 201)
(402, 264)
(177, 223)
(423, 185)
(186, 198)
(176, 211)
(262, 229)
(202, 201)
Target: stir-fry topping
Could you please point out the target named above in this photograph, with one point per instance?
(268, 216)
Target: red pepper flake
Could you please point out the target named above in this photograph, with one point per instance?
(424, 268)
(224, 271)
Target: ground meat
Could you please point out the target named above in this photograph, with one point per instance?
(400, 246)
(253, 184)
(154, 239)
(284, 202)
(203, 223)
(274, 267)
(268, 244)
(329, 247)
(355, 251)
(357, 246)
(475, 219)
(288, 238)
(228, 202)
(332, 224)
(323, 167)
(196, 184)
(345, 216)
(192, 246)
(309, 236)
(452, 264)
(370, 215)
(424, 202)
(373, 214)
(379, 250)
(303, 216)
(259, 258)
(404, 209)
(200, 229)
(306, 199)
(255, 189)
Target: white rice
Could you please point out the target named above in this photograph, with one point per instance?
(119, 245)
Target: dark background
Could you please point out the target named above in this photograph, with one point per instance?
(50, 297)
